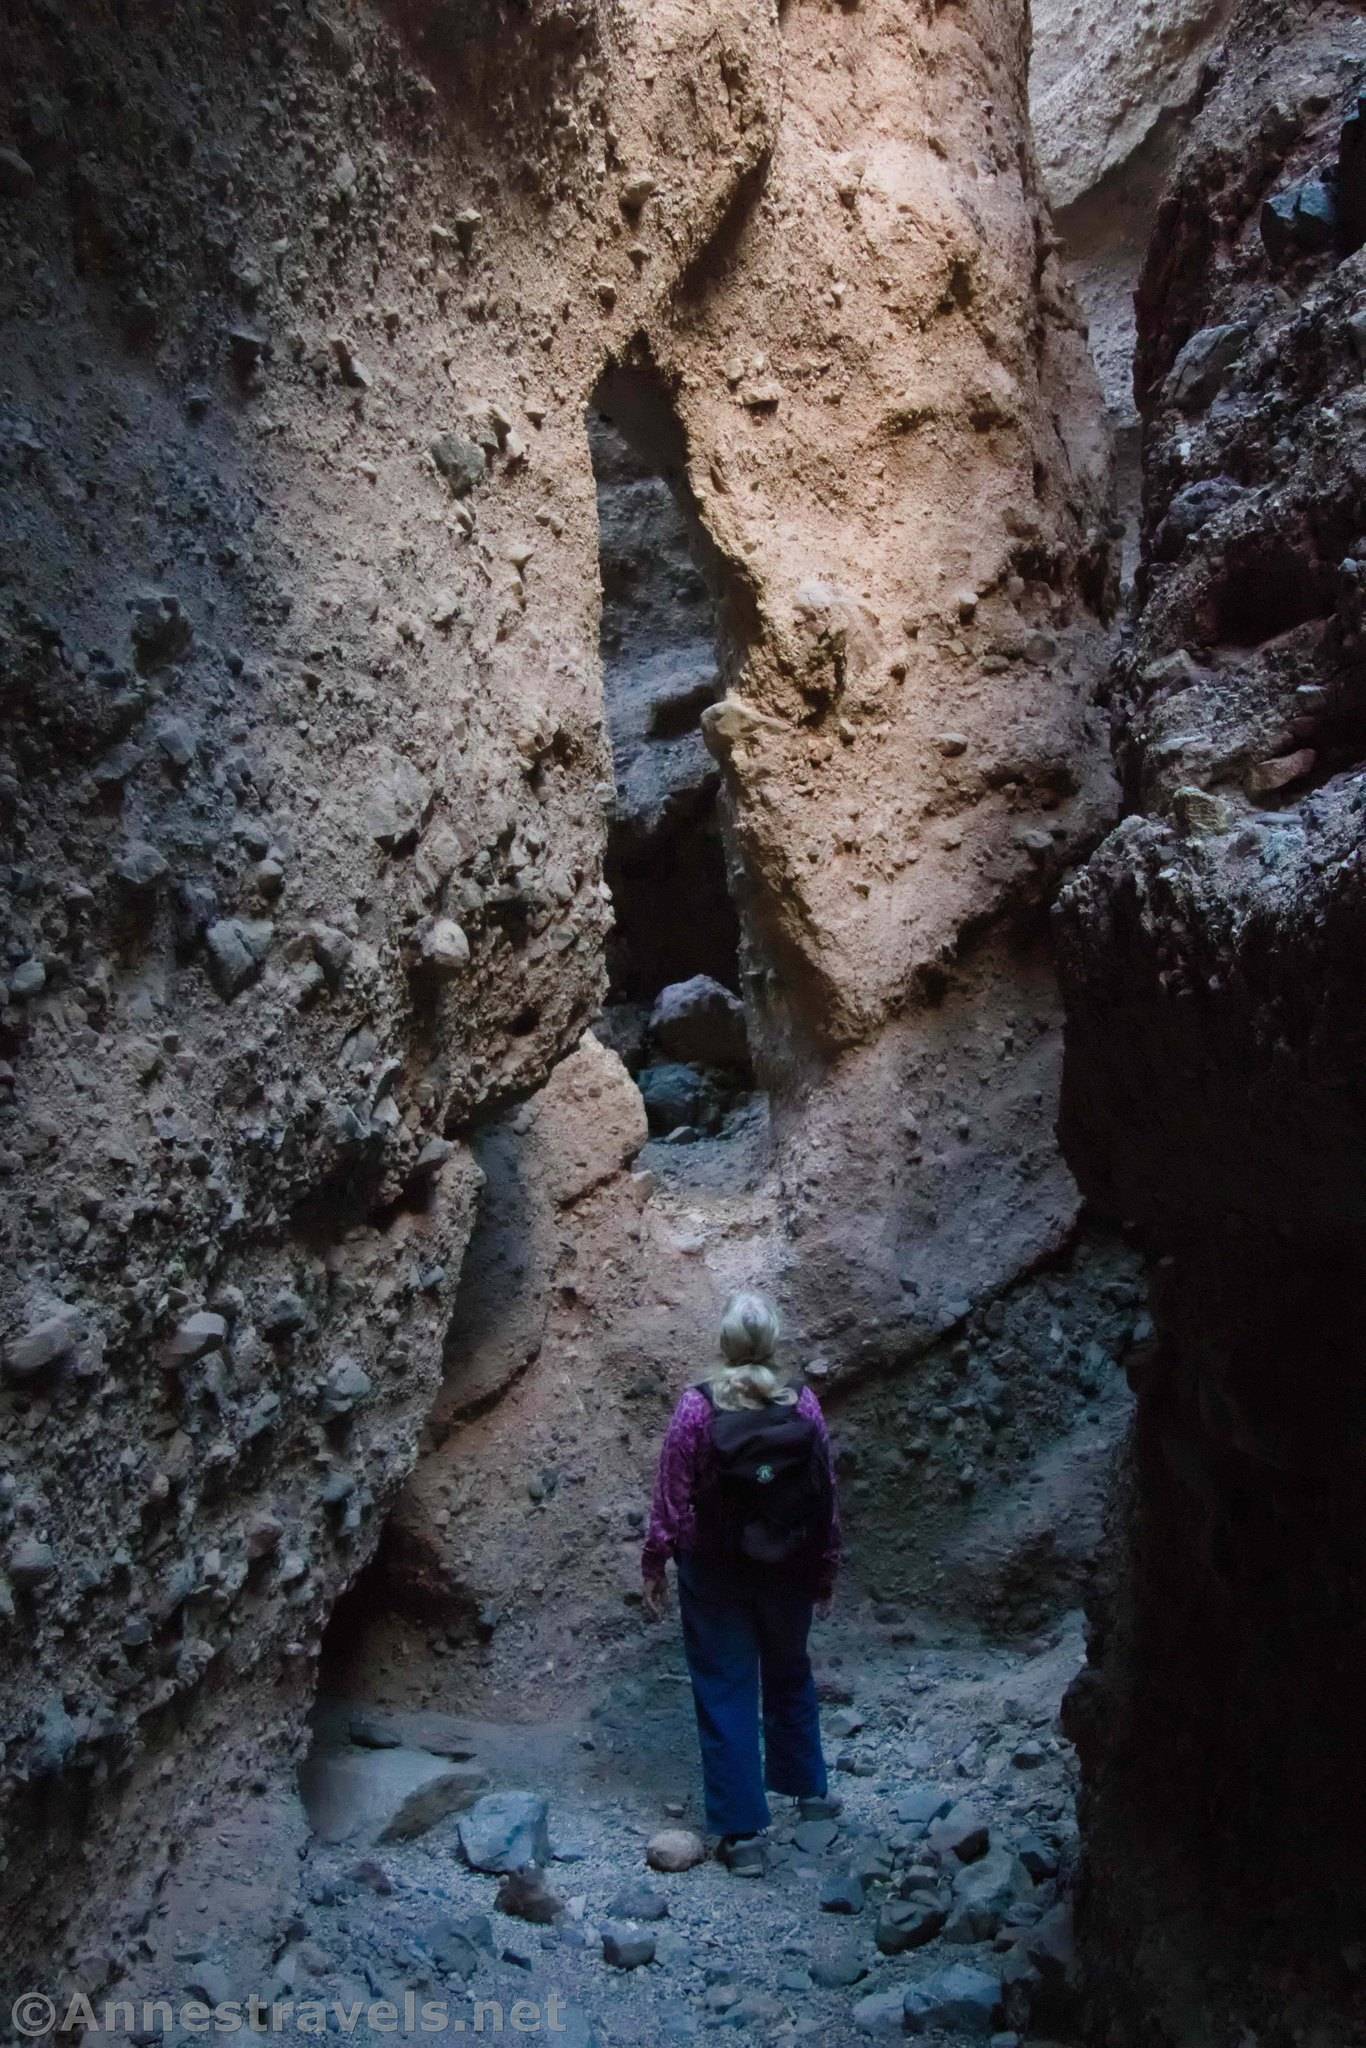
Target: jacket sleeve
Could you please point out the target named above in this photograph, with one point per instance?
(671, 1509)
(833, 1549)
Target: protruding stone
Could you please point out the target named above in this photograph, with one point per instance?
(43, 1345)
(445, 949)
(196, 1335)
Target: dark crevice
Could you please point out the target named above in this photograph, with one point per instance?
(673, 957)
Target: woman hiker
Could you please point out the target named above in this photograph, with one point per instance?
(744, 1502)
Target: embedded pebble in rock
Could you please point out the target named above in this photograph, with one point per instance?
(511, 529)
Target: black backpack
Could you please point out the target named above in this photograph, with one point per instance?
(768, 1500)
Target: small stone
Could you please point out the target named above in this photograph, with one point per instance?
(17, 175)
(526, 1896)
(675, 1849)
(445, 949)
(984, 1893)
(700, 1021)
(962, 1833)
(505, 1831)
(1302, 220)
(1199, 815)
(636, 191)
(262, 1536)
(1203, 363)
(161, 630)
(842, 1892)
(332, 949)
(140, 866)
(814, 1837)
(396, 802)
(908, 1923)
(1028, 1756)
(176, 742)
(352, 369)
(461, 462)
(626, 1947)
(285, 1314)
(29, 979)
(961, 1997)
(232, 964)
(922, 1805)
(1039, 1858)
(31, 1564)
(839, 1967)
(881, 2012)
(196, 1335)
(951, 744)
(638, 1902)
(346, 1386)
(1266, 777)
(45, 1344)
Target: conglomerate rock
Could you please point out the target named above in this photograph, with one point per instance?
(1211, 955)
(304, 775)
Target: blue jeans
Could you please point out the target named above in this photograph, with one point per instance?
(740, 1628)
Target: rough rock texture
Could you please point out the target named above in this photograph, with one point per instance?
(889, 487)
(1211, 954)
(1112, 94)
(301, 793)
(306, 792)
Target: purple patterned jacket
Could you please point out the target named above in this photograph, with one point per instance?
(683, 1462)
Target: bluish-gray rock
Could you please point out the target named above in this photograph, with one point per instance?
(505, 1831)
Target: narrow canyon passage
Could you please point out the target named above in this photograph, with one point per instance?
(648, 650)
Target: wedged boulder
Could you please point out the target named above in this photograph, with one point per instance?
(383, 1795)
(701, 1022)
(505, 1831)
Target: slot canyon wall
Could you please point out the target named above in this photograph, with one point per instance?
(307, 790)
(1211, 959)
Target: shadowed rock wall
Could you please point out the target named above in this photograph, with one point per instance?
(1212, 1095)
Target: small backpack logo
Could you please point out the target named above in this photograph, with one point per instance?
(764, 1474)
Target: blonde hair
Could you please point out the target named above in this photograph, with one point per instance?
(749, 1338)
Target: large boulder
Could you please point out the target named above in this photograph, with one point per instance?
(383, 1795)
(700, 1021)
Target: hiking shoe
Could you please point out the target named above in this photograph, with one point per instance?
(743, 1855)
(820, 1806)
